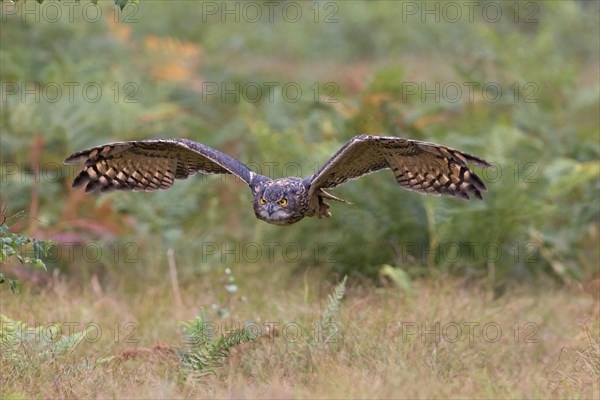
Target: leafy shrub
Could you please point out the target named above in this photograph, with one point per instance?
(17, 245)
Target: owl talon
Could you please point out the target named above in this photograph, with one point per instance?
(323, 210)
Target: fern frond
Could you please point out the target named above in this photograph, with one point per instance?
(66, 344)
(199, 331)
(204, 354)
(335, 300)
(222, 348)
(47, 341)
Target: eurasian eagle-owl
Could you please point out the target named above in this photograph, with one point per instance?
(149, 165)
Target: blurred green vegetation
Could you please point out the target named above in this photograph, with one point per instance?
(376, 67)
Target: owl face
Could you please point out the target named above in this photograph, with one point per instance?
(281, 202)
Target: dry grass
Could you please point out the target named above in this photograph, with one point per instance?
(375, 354)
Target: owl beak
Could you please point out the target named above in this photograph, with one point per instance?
(270, 209)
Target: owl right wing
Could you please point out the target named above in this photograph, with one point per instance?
(423, 167)
(149, 165)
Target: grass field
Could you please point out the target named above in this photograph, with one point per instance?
(447, 338)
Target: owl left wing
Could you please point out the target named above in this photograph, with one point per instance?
(148, 165)
(419, 166)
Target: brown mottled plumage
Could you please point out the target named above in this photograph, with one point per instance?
(155, 164)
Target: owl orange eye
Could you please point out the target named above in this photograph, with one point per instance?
(262, 201)
(282, 202)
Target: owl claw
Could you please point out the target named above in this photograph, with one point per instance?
(323, 210)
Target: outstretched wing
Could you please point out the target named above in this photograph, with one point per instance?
(149, 165)
(420, 166)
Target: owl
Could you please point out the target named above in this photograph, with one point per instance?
(149, 165)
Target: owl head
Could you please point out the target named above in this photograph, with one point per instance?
(281, 201)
